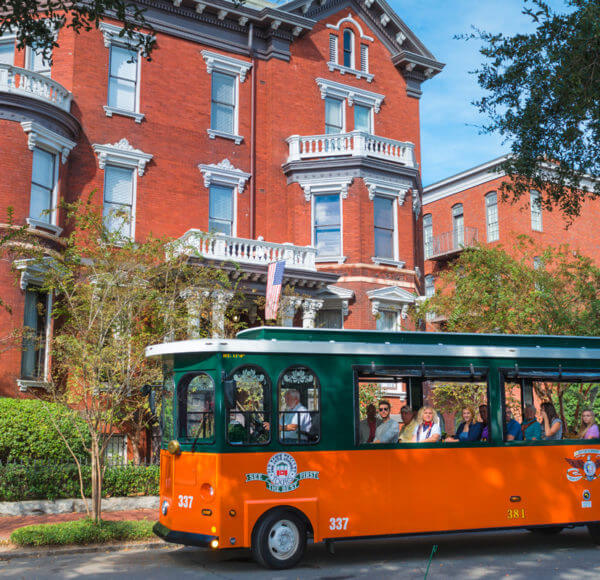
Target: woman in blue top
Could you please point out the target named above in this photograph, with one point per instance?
(552, 427)
(532, 430)
(468, 430)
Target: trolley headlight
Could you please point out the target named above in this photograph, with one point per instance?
(174, 448)
(164, 508)
(207, 492)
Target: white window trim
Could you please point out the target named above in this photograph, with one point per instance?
(391, 298)
(536, 194)
(355, 23)
(351, 94)
(39, 224)
(487, 217)
(133, 195)
(355, 69)
(343, 109)
(122, 154)
(336, 187)
(224, 173)
(111, 37)
(371, 120)
(233, 67)
(234, 209)
(359, 74)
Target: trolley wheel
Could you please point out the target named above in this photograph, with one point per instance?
(594, 530)
(547, 530)
(279, 540)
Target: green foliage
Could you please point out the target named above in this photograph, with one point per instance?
(20, 482)
(84, 531)
(28, 434)
(452, 398)
(575, 398)
(542, 97)
(368, 393)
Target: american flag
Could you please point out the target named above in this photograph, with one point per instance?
(274, 283)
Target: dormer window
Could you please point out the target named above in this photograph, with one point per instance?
(348, 49)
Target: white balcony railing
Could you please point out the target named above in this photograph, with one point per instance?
(354, 144)
(21, 81)
(242, 251)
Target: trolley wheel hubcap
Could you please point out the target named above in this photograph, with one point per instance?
(284, 539)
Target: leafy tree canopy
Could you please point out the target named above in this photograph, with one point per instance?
(36, 23)
(543, 96)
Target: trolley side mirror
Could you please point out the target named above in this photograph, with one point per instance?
(229, 390)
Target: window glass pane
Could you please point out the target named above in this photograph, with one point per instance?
(387, 321)
(384, 243)
(118, 186)
(196, 408)
(362, 118)
(43, 168)
(222, 118)
(220, 203)
(167, 408)
(248, 420)
(333, 116)
(34, 341)
(428, 235)
(117, 218)
(121, 94)
(7, 51)
(491, 208)
(348, 42)
(123, 63)
(327, 242)
(458, 226)
(299, 421)
(223, 88)
(327, 210)
(36, 62)
(41, 201)
(329, 319)
(536, 211)
(383, 207)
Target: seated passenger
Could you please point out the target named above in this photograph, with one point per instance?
(552, 427)
(296, 422)
(409, 424)
(245, 424)
(469, 429)
(589, 427)
(513, 427)
(428, 426)
(531, 428)
(368, 426)
(483, 413)
(387, 432)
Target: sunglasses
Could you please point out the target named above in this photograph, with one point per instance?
(384, 409)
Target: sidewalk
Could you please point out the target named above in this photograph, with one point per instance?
(10, 523)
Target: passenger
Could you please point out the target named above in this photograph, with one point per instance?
(552, 427)
(531, 428)
(388, 430)
(469, 429)
(368, 426)
(295, 422)
(428, 426)
(513, 427)
(409, 424)
(589, 427)
(485, 431)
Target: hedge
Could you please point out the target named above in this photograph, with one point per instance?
(83, 531)
(28, 434)
(20, 482)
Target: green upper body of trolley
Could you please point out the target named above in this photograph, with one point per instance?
(336, 356)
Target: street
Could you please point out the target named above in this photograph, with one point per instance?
(514, 555)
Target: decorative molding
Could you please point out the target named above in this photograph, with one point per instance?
(388, 262)
(386, 189)
(39, 224)
(354, 22)
(325, 185)
(340, 292)
(40, 136)
(110, 111)
(112, 33)
(384, 19)
(226, 64)
(32, 271)
(352, 94)
(359, 74)
(122, 154)
(391, 298)
(213, 133)
(226, 173)
(310, 307)
(25, 385)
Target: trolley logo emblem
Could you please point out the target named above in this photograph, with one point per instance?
(282, 474)
(583, 465)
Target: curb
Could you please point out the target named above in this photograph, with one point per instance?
(93, 548)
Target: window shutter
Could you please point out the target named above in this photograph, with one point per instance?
(333, 48)
(364, 58)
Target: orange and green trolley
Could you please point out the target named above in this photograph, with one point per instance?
(262, 439)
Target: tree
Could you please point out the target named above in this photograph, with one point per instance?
(113, 298)
(543, 96)
(489, 290)
(36, 24)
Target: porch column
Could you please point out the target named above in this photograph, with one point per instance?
(220, 300)
(310, 307)
(289, 305)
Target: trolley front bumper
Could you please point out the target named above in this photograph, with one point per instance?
(185, 538)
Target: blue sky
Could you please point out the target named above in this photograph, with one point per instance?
(451, 139)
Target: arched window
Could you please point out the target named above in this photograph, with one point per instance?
(298, 398)
(196, 394)
(249, 410)
(348, 60)
(491, 215)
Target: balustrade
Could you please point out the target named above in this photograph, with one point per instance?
(21, 81)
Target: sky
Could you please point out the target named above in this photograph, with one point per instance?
(450, 125)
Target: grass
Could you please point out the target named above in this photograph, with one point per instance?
(83, 531)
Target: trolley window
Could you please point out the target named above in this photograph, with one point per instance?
(197, 408)
(298, 398)
(249, 411)
(167, 408)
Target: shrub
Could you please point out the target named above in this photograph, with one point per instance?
(20, 482)
(83, 531)
(27, 433)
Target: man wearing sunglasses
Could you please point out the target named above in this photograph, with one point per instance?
(389, 429)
